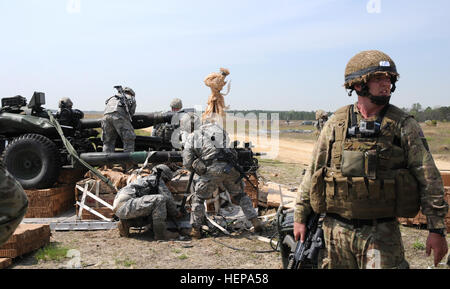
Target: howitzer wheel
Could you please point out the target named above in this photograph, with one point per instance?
(33, 160)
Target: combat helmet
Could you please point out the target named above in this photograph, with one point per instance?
(166, 172)
(65, 102)
(129, 91)
(190, 122)
(176, 104)
(321, 114)
(366, 64)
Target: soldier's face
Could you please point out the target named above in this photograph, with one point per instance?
(380, 86)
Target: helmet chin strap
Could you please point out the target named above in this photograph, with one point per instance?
(378, 100)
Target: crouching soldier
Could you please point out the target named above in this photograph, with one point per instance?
(147, 201)
(205, 153)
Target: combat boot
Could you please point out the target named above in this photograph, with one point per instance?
(124, 228)
(161, 233)
(196, 233)
(257, 225)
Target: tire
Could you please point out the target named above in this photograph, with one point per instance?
(33, 160)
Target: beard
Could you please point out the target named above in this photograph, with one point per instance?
(380, 100)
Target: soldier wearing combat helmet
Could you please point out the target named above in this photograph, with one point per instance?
(117, 119)
(165, 130)
(147, 201)
(370, 165)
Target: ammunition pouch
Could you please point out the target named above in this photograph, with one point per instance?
(364, 198)
(359, 164)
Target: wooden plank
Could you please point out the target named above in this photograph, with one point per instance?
(26, 238)
(273, 195)
(446, 178)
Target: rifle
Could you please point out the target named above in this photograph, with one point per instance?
(186, 194)
(306, 253)
(123, 100)
(232, 160)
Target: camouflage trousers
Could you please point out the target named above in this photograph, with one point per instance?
(152, 206)
(13, 204)
(368, 247)
(114, 125)
(214, 178)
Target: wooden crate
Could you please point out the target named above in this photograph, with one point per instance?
(251, 191)
(420, 219)
(446, 178)
(26, 238)
(5, 263)
(86, 215)
(47, 203)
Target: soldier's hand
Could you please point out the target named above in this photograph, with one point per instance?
(299, 231)
(438, 244)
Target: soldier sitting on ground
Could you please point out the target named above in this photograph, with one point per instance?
(147, 201)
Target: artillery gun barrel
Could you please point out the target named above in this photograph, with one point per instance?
(102, 158)
(99, 159)
(141, 120)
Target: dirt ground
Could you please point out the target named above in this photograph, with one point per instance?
(106, 250)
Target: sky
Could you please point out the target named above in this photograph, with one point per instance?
(282, 55)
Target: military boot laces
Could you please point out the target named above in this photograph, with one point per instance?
(258, 226)
(124, 228)
(161, 233)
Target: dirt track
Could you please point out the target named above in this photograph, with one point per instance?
(299, 151)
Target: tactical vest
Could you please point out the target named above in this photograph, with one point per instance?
(366, 178)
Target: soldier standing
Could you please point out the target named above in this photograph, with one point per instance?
(205, 153)
(147, 201)
(165, 130)
(117, 119)
(370, 165)
(321, 119)
(13, 204)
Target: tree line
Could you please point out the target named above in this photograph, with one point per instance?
(441, 113)
(283, 115)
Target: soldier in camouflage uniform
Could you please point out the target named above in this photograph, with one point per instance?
(117, 121)
(370, 165)
(165, 130)
(66, 115)
(321, 119)
(140, 203)
(204, 153)
(13, 204)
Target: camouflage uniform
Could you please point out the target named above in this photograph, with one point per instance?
(165, 130)
(365, 173)
(13, 204)
(117, 122)
(321, 119)
(380, 245)
(203, 146)
(129, 204)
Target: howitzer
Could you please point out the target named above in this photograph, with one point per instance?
(306, 253)
(33, 151)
